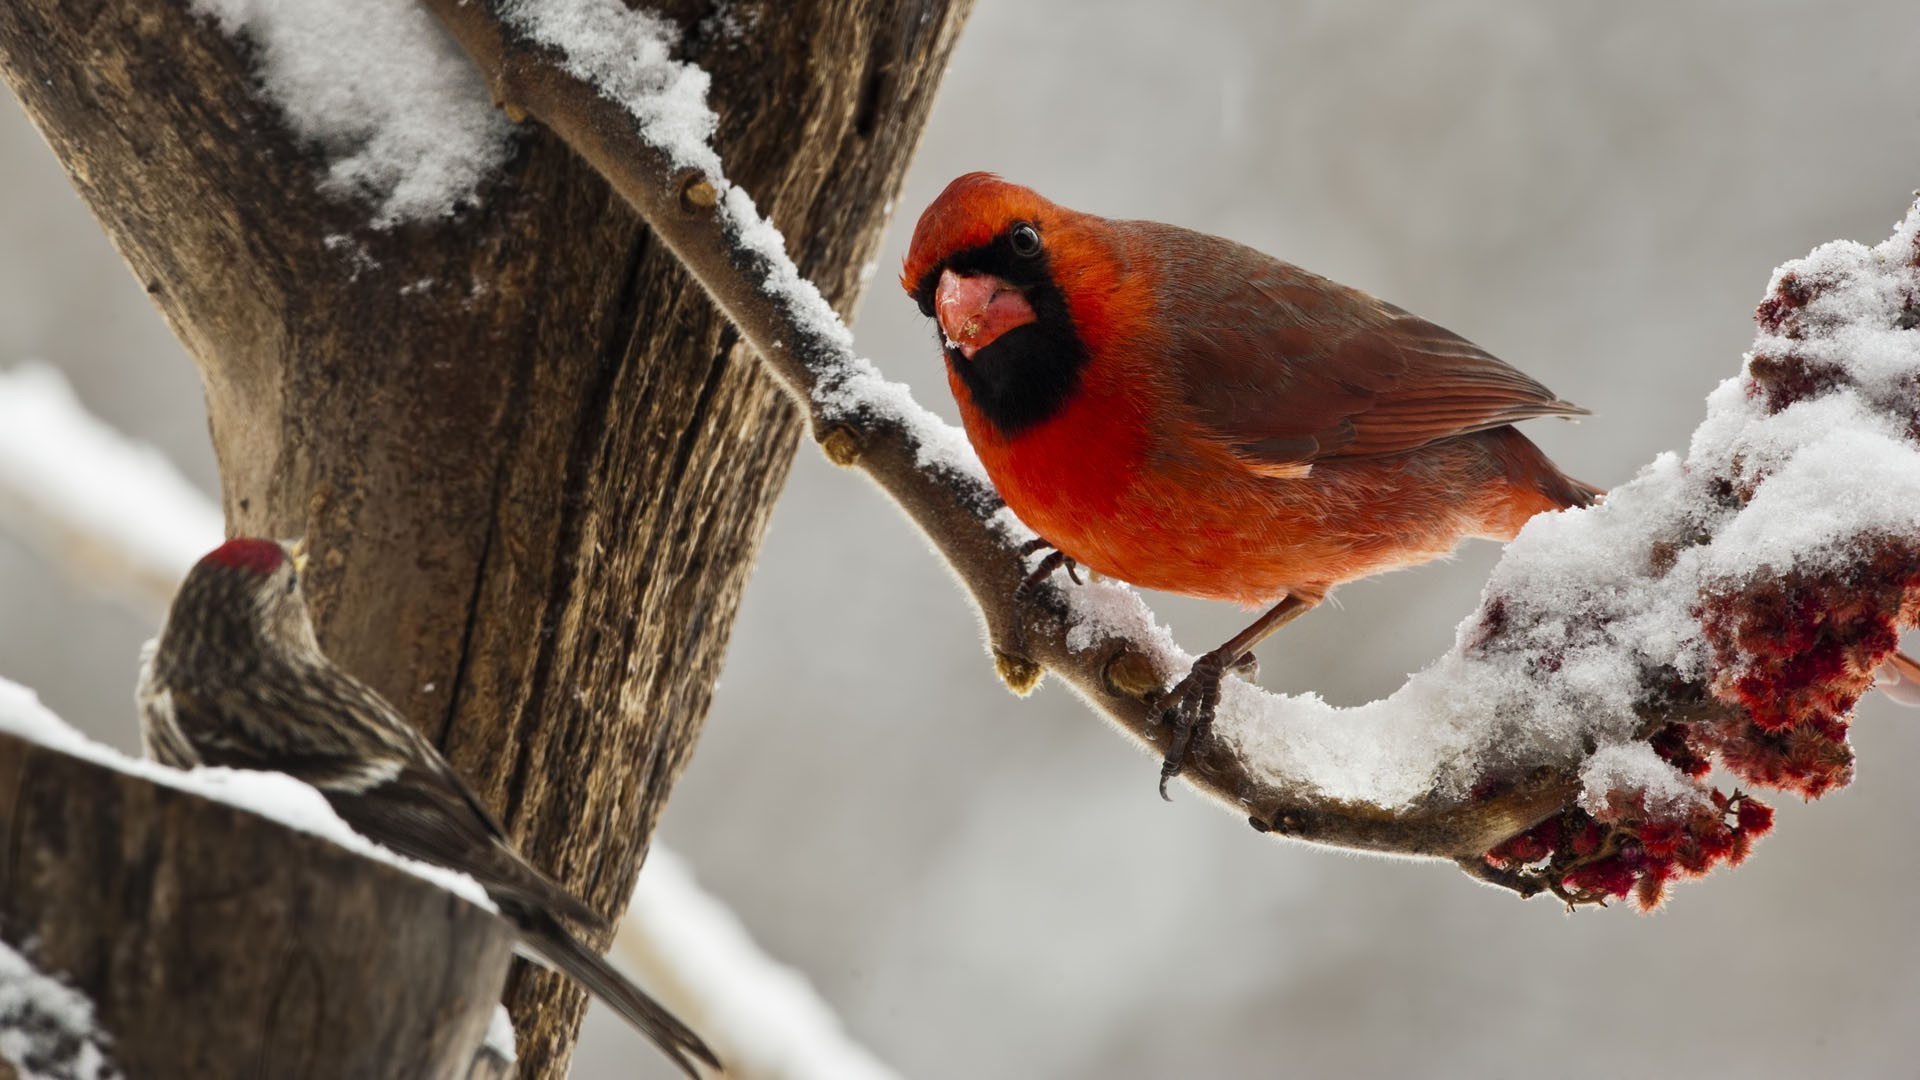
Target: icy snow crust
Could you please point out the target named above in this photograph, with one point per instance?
(46, 1027)
(1584, 606)
(269, 794)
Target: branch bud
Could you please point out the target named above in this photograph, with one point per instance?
(1130, 674)
(1019, 673)
(842, 447)
(697, 194)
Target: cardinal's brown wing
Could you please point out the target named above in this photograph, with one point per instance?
(1290, 368)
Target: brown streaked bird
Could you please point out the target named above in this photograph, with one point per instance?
(1185, 413)
(237, 679)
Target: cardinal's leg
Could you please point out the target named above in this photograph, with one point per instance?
(1191, 703)
(1029, 588)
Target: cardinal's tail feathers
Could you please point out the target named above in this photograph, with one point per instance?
(1583, 493)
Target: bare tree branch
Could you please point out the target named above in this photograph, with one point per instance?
(114, 515)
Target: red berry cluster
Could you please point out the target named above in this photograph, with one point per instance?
(1627, 851)
(1779, 312)
(1796, 652)
(1790, 656)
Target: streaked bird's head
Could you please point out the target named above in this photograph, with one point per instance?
(242, 598)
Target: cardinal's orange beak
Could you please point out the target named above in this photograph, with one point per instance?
(975, 310)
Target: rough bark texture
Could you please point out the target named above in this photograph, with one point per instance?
(214, 942)
(533, 487)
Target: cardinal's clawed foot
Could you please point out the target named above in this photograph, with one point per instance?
(1188, 708)
(1029, 588)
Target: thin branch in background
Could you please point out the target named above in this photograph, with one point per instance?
(1580, 706)
(765, 1019)
(402, 115)
(114, 515)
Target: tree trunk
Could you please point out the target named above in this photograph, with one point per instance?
(214, 942)
(531, 462)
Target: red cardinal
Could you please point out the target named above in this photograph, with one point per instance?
(1187, 414)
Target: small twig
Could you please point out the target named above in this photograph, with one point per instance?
(113, 515)
(1525, 885)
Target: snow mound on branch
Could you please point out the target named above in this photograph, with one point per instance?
(625, 53)
(404, 118)
(46, 1027)
(269, 794)
(1635, 767)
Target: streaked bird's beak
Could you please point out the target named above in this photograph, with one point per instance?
(297, 550)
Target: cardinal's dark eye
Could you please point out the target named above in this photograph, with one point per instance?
(1025, 240)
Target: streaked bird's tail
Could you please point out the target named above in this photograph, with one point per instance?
(552, 941)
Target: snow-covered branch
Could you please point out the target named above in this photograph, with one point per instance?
(1726, 610)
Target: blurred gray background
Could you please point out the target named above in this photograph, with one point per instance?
(989, 887)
